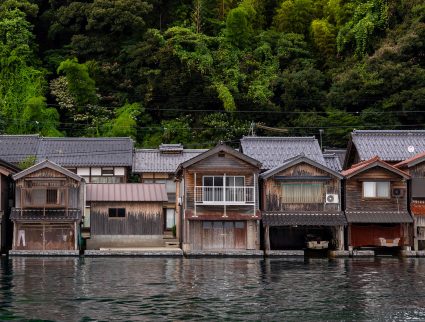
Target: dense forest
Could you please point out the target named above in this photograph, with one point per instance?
(199, 71)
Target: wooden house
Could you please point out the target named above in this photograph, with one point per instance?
(159, 166)
(97, 160)
(126, 215)
(376, 205)
(220, 201)
(49, 201)
(415, 166)
(301, 206)
(391, 146)
(6, 201)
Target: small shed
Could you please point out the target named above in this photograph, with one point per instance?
(125, 215)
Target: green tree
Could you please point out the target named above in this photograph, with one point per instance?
(294, 16)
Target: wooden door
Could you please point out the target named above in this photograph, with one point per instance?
(229, 235)
(240, 234)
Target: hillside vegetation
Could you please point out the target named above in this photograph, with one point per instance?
(199, 71)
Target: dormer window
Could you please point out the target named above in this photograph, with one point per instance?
(376, 189)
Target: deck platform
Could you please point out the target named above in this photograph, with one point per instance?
(284, 253)
(362, 253)
(224, 253)
(338, 253)
(141, 252)
(44, 253)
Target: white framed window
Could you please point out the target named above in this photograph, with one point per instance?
(376, 189)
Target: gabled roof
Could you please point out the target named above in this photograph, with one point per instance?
(273, 151)
(296, 160)
(15, 148)
(221, 147)
(50, 165)
(154, 160)
(419, 158)
(388, 145)
(146, 192)
(374, 162)
(340, 153)
(80, 152)
(333, 161)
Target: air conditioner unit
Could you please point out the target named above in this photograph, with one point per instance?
(397, 192)
(332, 198)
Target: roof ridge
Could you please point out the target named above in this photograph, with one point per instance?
(279, 137)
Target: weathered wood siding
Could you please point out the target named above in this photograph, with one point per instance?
(142, 218)
(272, 190)
(67, 186)
(219, 235)
(354, 192)
(218, 166)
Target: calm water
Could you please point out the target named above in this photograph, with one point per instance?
(241, 289)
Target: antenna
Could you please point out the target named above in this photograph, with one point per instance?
(321, 142)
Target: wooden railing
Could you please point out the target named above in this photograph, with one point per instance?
(45, 214)
(224, 195)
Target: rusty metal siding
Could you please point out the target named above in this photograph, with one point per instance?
(126, 192)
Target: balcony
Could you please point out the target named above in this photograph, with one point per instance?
(36, 215)
(224, 195)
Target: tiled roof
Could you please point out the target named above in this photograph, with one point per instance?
(304, 218)
(153, 160)
(333, 161)
(73, 152)
(389, 145)
(68, 152)
(273, 151)
(338, 152)
(148, 192)
(378, 217)
(411, 161)
(375, 161)
(15, 148)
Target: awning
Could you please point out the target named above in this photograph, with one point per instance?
(311, 218)
(382, 217)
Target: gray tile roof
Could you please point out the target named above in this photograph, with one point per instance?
(47, 164)
(73, 152)
(378, 217)
(68, 152)
(274, 151)
(153, 160)
(15, 148)
(304, 218)
(338, 152)
(389, 145)
(332, 161)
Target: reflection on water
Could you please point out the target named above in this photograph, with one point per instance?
(69, 289)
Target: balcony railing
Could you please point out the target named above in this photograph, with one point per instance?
(45, 214)
(223, 195)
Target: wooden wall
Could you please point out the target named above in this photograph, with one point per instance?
(272, 191)
(215, 165)
(354, 192)
(142, 218)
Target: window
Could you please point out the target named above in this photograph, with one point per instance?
(107, 171)
(302, 193)
(106, 179)
(52, 197)
(116, 212)
(376, 189)
(213, 188)
(170, 218)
